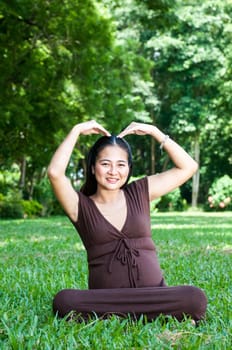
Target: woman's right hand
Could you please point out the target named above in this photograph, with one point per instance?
(91, 127)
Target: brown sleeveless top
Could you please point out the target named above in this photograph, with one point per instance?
(120, 259)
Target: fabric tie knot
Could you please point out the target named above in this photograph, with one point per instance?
(127, 255)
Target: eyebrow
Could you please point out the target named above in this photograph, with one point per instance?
(108, 160)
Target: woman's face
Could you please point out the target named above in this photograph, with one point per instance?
(111, 168)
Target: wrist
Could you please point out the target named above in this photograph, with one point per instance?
(157, 134)
(76, 129)
(166, 137)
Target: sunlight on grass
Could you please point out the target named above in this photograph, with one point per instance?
(171, 226)
(79, 246)
(225, 248)
(40, 257)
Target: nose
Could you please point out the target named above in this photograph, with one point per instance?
(113, 169)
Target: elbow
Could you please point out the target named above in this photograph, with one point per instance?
(194, 167)
(52, 173)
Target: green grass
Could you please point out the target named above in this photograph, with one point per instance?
(40, 257)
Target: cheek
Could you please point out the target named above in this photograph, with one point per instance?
(98, 170)
(126, 171)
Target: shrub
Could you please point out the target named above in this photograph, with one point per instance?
(43, 193)
(31, 208)
(171, 202)
(9, 179)
(220, 194)
(13, 207)
(10, 208)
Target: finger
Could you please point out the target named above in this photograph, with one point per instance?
(125, 132)
(122, 134)
(98, 129)
(106, 132)
(102, 131)
(128, 131)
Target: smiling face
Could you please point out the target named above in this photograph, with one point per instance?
(111, 168)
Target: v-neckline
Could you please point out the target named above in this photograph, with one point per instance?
(106, 220)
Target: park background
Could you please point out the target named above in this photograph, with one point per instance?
(165, 62)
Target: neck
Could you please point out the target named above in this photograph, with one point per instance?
(103, 197)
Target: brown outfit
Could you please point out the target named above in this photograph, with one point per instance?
(124, 273)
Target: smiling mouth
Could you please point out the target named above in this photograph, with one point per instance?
(112, 180)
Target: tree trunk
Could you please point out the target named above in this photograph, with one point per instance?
(22, 179)
(152, 145)
(31, 187)
(196, 176)
(152, 156)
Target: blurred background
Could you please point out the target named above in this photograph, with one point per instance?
(165, 62)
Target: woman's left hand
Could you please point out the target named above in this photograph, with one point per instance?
(138, 129)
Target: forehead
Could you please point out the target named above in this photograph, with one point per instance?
(113, 152)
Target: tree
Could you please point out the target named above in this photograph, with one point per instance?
(165, 62)
(141, 103)
(189, 69)
(51, 58)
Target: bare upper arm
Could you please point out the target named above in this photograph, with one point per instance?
(167, 181)
(66, 195)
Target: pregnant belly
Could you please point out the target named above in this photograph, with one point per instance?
(125, 271)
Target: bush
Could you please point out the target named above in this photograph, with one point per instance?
(220, 194)
(171, 202)
(9, 179)
(31, 208)
(43, 193)
(11, 208)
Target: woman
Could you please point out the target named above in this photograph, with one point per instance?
(112, 218)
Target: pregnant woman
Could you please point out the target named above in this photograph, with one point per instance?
(112, 218)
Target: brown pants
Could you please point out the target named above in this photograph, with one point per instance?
(151, 302)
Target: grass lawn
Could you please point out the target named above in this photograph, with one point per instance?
(39, 257)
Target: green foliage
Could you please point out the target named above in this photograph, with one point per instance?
(61, 65)
(31, 208)
(52, 57)
(189, 65)
(9, 179)
(192, 78)
(129, 84)
(165, 62)
(40, 257)
(216, 146)
(172, 201)
(220, 194)
(43, 194)
(11, 206)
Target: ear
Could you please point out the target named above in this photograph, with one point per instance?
(93, 171)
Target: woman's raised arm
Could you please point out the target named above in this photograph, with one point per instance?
(64, 191)
(185, 165)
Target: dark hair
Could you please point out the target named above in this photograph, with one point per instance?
(90, 185)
